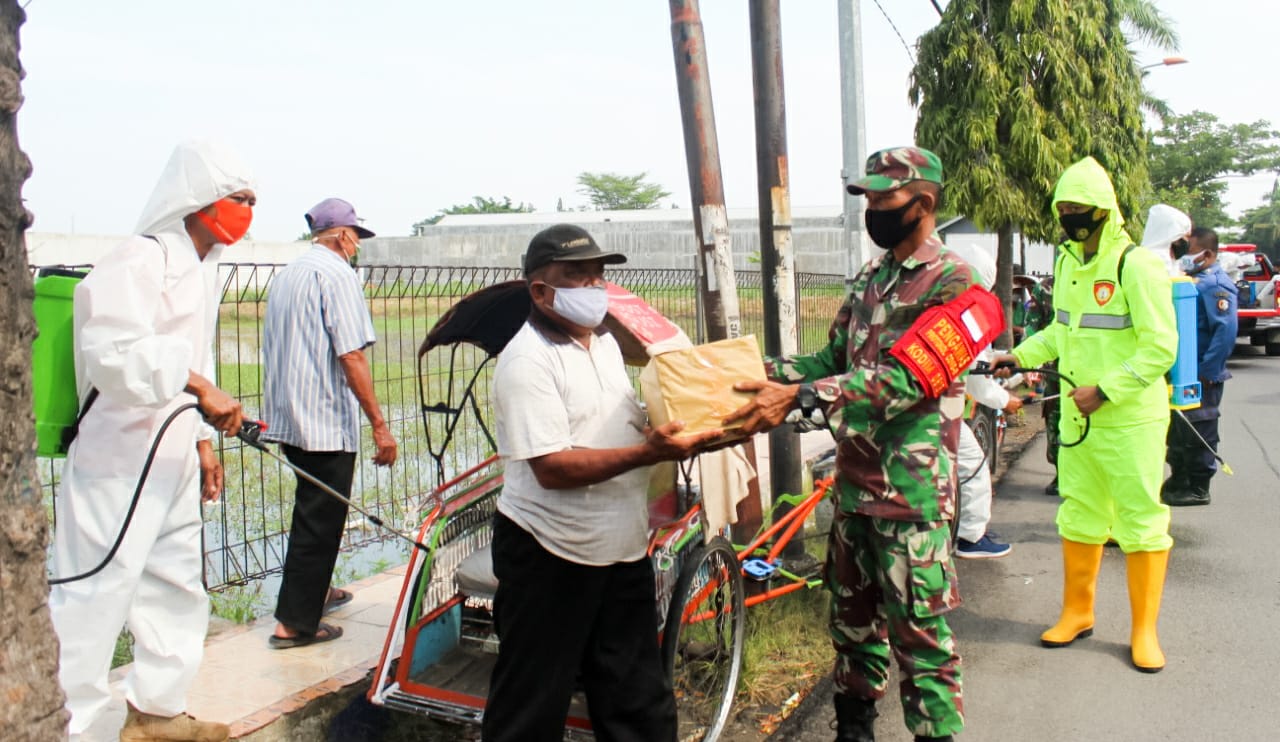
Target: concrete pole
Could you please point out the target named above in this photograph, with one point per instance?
(853, 112)
(719, 288)
(777, 259)
(717, 282)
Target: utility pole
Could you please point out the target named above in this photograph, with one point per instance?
(853, 112)
(777, 259)
(718, 286)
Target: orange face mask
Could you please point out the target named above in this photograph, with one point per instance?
(230, 220)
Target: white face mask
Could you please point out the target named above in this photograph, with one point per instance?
(585, 307)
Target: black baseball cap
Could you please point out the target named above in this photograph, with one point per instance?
(565, 242)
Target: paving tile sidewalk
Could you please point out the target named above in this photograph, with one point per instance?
(247, 684)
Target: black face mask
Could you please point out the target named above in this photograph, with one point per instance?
(1080, 227)
(886, 227)
(1179, 248)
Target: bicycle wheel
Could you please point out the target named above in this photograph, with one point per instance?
(702, 647)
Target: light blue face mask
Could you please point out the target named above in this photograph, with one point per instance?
(585, 307)
(1188, 263)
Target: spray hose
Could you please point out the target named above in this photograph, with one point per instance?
(983, 368)
(133, 504)
(251, 434)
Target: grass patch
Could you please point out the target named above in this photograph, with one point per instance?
(123, 653)
(787, 647)
(240, 604)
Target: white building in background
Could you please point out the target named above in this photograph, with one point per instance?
(652, 238)
(961, 229)
(49, 248)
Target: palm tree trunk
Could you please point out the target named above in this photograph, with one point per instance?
(32, 707)
(1004, 281)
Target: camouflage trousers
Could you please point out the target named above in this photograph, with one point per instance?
(1052, 413)
(891, 583)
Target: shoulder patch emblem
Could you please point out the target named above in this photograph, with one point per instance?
(1223, 305)
(1103, 291)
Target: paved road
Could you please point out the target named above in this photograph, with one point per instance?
(1220, 627)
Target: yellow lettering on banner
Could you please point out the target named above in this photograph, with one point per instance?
(945, 339)
(926, 367)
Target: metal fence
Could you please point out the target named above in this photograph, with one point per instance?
(246, 533)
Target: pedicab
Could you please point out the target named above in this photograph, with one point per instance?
(441, 645)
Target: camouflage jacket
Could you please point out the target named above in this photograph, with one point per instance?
(890, 437)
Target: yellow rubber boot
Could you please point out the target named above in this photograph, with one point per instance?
(1146, 584)
(1080, 564)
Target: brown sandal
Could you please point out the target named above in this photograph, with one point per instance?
(325, 633)
(335, 599)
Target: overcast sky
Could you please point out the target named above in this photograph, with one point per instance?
(406, 107)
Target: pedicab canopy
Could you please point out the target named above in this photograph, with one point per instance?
(490, 317)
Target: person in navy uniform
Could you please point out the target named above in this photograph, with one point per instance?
(1193, 465)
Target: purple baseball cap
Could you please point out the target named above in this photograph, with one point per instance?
(334, 212)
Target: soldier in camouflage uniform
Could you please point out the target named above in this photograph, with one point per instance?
(889, 566)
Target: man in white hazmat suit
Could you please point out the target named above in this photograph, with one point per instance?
(1166, 234)
(972, 468)
(144, 323)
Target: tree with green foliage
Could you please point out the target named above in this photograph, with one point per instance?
(1192, 154)
(1011, 92)
(612, 191)
(1262, 224)
(478, 205)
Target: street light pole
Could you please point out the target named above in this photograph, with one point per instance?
(853, 132)
(1166, 62)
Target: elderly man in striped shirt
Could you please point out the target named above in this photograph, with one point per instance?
(316, 382)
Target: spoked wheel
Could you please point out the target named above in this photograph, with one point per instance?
(702, 647)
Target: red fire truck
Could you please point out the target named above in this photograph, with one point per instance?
(1257, 281)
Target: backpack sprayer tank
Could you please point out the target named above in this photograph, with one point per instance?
(53, 366)
(1184, 382)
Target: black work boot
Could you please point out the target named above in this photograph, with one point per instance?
(855, 719)
(1196, 493)
(1175, 487)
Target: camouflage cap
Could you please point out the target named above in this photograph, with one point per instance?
(893, 168)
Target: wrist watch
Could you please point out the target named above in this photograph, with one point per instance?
(807, 400)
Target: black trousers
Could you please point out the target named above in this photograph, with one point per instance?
(1187, 456)
(315, 536)
(559, 622)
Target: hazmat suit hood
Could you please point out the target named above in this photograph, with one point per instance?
(199, 172)
(1164, 225)
(980, 260)
(1086, 182)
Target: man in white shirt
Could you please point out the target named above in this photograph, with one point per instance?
(575, 585)
(972, 467)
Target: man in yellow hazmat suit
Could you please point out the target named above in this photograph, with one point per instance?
(1114, 335)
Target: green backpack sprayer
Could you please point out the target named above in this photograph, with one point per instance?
(58, 411)
(53, 364)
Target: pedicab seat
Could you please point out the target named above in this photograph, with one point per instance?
(474, 576)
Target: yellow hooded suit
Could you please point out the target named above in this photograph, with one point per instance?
(1117, 333)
